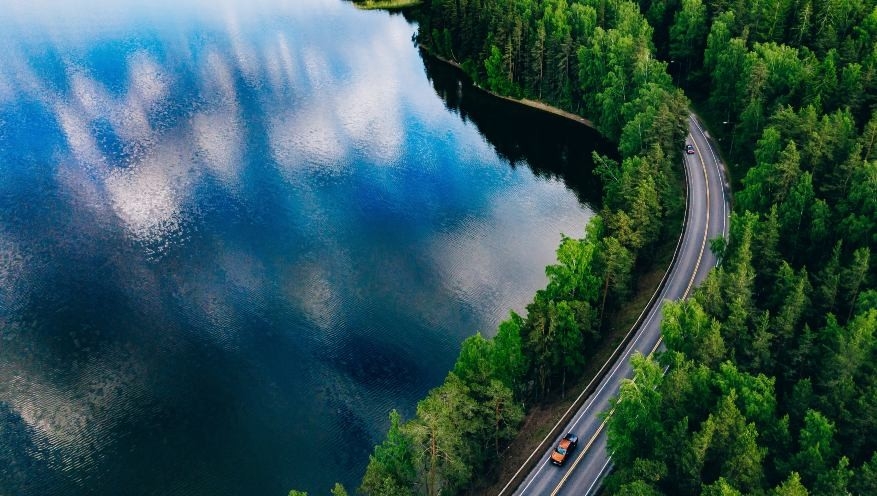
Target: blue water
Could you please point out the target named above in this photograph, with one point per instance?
(232, 238)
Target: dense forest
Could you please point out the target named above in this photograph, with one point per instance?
(771, 385)
(769, 381)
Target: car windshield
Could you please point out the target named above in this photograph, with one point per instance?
(561, 450)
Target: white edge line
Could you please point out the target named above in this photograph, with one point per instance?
(717, 163)
(682, 242)
(644, 325)
(600, 475)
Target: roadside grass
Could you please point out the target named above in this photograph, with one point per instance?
(541, 419)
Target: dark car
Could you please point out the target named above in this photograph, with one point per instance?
(689, 149)
(564, 448)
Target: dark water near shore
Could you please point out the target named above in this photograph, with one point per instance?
(232, 238)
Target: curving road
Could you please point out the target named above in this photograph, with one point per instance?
(706, 218)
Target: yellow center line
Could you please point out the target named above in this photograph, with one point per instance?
(602, 425)
(706, 226)
(657, 344)
(582, 454)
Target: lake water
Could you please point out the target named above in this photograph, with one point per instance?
(232, 238)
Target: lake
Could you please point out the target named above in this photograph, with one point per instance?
(233, 238)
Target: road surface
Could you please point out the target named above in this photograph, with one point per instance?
(706, 218)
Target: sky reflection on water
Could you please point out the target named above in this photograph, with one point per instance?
(231, 235)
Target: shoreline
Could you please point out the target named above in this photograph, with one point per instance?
(389, 5)
(534, 104)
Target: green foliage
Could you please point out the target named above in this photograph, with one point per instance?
(562, 321)
(616, 265)
(510, 363)
(866, 480)
(574, 276)
(688, 329)
(474, 364)
(720, 488)
(816, 447)
(632, 192)
(793, 413)
(505, 414)
(638, 488)
(391, 468)
(779, 347)
(497, 70)
(633, 429)
(337, 490)
(791, 487)
(438, 437)
(688, 35)
(770, 386)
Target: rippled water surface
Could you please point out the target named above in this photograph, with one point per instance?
(234, 236)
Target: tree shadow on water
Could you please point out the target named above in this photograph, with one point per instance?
(550, 145)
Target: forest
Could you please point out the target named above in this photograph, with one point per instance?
(768, 384)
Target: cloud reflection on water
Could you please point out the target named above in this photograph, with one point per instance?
(175, 132)
(70, 430)
(304, 129)
(13, 276)
(163, 142)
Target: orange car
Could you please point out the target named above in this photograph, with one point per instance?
(564, 448)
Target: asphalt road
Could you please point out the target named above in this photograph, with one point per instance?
(706, 218)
